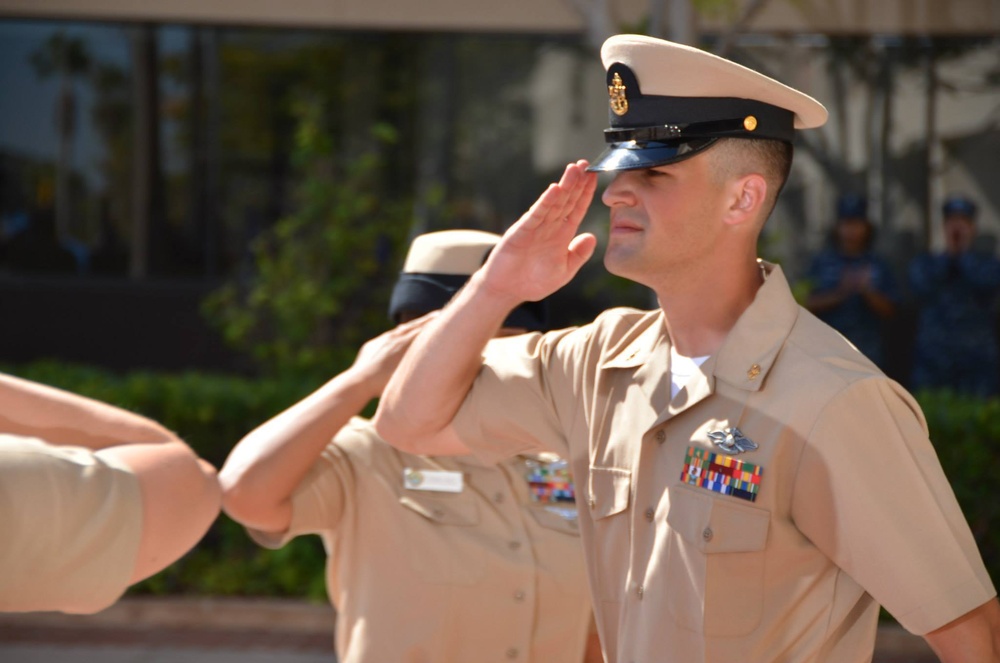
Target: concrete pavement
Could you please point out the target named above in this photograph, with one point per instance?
(174, 630)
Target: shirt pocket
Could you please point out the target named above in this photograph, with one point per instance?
(609, 491)
(441, 535)
(557, 518)
(715, 563)
(608, 499)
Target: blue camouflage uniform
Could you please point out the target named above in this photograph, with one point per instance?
(853, 318)
(956, 335)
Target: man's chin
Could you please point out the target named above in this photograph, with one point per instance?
(618, 263)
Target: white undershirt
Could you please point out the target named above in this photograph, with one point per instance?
(681, 370)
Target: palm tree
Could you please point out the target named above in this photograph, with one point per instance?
(67, 58)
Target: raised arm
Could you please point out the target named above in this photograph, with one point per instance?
(267, 465)
(538, 255)
(61, 417)
(180, 492)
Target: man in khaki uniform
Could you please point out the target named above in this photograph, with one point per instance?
(755, 486)
(429, 559)
(92, 499)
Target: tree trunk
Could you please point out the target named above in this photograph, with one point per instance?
(933, 153)
(66, 122)
(145, 148)
(681, 23)
(436, 131)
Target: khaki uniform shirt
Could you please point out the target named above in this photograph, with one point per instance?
(70, 524)
(841, 506)
(484, 574)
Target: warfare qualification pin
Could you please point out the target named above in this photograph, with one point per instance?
(619, 102)
(732, 441)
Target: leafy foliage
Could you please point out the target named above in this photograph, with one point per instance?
(966, 435)
(321, 276)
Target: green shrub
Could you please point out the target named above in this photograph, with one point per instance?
(322, 275)
(966, 435)
(212, 412)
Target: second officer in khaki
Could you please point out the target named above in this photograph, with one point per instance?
(429, 559)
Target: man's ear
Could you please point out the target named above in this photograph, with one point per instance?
(748, 194)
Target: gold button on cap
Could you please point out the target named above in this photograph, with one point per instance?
(749, 123)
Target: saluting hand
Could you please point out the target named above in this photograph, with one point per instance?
(378, 358)
(541, 252)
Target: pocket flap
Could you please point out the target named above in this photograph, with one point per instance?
(443, 509)
(715, 525)
(559, 518)
(610, 488)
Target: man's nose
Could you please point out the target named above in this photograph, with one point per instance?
(618, 192)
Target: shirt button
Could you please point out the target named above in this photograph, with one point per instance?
(512, 652)
(519, 595)
(639, 590)
(498, 498)
(514, 545)
(592, 502)
(707, 534)
(661, 435)
(650, 512)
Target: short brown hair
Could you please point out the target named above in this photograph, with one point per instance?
(735, 157)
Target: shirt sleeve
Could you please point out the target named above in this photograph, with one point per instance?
(71, 520)
(319, 501)
(526, 390)
(871, 494)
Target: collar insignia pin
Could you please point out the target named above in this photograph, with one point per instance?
(732, 441)
(619, 102)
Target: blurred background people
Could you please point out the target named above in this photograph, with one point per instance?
(429, 558)
(92, 499)
(956, 345)
(853, 289)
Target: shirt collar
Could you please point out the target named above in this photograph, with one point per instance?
(750, 348)
(636, 351)
(753, 344)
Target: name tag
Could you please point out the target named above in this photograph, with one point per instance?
(438, 481)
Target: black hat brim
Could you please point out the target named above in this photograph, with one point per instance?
(635, 155)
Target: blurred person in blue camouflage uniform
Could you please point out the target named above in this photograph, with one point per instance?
(853, 290)
(957, 292)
